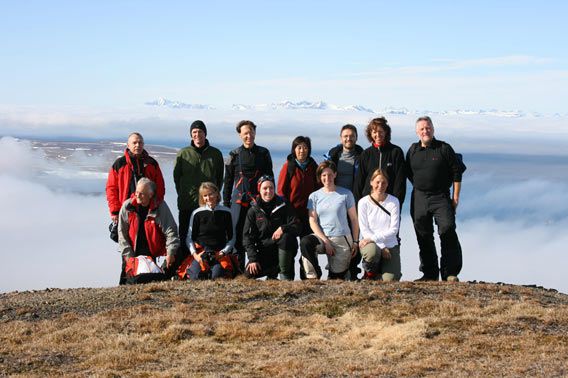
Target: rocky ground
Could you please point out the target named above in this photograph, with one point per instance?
(239, 327)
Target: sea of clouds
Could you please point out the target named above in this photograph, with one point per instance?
(511, 220)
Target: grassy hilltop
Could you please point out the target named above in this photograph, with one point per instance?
(251, 328)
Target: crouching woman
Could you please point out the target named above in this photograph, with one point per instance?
(269, 234)
(379, 221)
(333, 220)
(210, 237)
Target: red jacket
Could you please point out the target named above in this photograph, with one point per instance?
(160, 227)
(121, 180)
(299, 186)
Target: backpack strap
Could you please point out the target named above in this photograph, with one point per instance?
(379, 205)
(290, 171)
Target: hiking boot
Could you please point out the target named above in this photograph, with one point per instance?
(453, 279)
(426, 278)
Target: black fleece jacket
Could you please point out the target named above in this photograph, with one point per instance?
(262, 220)
(390, 159)
(244, 168)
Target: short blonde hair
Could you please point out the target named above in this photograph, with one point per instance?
(208, 186)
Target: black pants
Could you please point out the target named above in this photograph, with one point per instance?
(354, 267)
(239, 239)
(305, 222)
(268, 256)
(423, 208)
(122, 280)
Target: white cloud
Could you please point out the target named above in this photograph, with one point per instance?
(511, 221)
(53, 239)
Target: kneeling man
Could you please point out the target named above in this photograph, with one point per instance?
(146, 227)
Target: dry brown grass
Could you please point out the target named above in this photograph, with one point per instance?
(237, 328)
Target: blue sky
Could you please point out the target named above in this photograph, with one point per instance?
(420, 55)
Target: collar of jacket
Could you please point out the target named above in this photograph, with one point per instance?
(152, 206)
(337, 150)
(434, 144)
(254, 148)
(292, 159)
(129, 156)
(192, 145)
(278, 203)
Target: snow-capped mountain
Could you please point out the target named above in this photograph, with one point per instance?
(396, 111)
(291, 105)
(164, 102)
(324, 106)
(491, 112)
(352, 108)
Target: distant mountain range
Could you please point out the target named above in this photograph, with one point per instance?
(323, 106)
(164, 102)
(290, 105)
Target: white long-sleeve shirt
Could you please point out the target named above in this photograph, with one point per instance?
(375, 224)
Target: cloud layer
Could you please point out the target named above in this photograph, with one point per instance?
(511, 221)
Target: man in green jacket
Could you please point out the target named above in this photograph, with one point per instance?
(195, 164)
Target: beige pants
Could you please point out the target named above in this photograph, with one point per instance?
(340, 260)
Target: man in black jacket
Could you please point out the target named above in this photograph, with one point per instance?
(244, 166)
(432, 168)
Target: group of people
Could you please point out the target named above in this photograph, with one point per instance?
(347, 207)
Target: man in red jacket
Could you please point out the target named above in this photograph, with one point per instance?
(124, 175)
(127, 170)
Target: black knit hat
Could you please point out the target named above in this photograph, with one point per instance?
(198, 125)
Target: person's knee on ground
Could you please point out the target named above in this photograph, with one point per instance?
(308, 248)
(286, 263)
(390, 268)
(371, 257)
(354, 267)
(194, 271)
(287, 250)
(337, 276)
(217, 271)
(271, 273)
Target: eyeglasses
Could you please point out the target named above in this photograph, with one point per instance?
(264, 178)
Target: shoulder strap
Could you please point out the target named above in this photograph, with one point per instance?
(379, 205)
(290, 171)
(414, 148)
(458, 156)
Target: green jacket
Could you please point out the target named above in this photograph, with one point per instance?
(192, 168)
